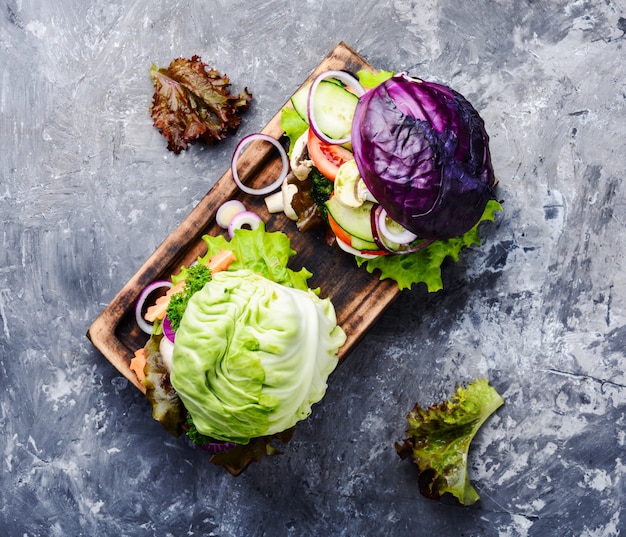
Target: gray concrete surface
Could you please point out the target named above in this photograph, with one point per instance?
(88, 191)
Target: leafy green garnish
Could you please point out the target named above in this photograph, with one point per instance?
(194, 435)
(262, 252)
(370, 80)
(293, 125)
(321, 190)
(195, 277)
(424, 266)
(439, 440)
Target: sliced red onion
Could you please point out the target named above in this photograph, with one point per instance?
(227, 211)
(168, 331)
(283, 156)
(348, 80)
(404, 237)
(244, 219)
(217, 447)
(141, 322)
(378, 238)
(382, 242)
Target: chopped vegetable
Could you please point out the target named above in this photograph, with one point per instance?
(166, 406)
(331, 118)
(391, 230)
(138, 362)
(144, 319)
(349, 187)
(157, 310)
(192, 102)
(243, 143)
(369, 80)
(196, 277)
(227, 210)
(327, 158)
(245, 219)
(221, 260)
(321, 190)
(439, 440)
(275, 203)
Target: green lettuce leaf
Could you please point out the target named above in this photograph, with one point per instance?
(293, 125)
(439, 440)
(370, 80)
(263, 252)
(424, 266)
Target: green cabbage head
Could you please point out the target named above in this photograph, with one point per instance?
(251, 356)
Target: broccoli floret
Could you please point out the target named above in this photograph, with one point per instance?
(194, 435)
(195, 277)
(321, 189)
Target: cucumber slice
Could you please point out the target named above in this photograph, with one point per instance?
(364, 246)
(354, 221)
(334, 107)
(299, 100)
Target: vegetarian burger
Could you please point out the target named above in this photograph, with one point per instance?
(240, 348)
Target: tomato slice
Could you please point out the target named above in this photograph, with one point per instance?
(327, 157)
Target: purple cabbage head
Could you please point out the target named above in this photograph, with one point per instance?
(423, 152)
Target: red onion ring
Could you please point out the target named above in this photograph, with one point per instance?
(141, 322)
(243, 143)
(246, 218)
(379, 238)
(348, 80)
(404, 237)
(168, 331)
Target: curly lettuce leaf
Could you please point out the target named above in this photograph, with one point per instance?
(263, 252)
(193, 102)
(424, 266)
(439, 439)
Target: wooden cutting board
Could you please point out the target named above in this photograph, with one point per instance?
(358, 296)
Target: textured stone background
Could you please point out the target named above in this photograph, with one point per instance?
(88, 191)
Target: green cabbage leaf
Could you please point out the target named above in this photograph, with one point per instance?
(252, 356)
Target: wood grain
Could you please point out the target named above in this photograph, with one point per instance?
(358, 296)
